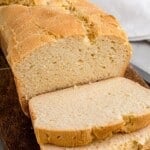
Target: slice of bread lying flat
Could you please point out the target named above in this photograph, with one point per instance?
(139, 140)
(61, 45)
(77, 116)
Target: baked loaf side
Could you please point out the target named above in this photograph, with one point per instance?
(69, 43)
(134, 141)
(79, 115)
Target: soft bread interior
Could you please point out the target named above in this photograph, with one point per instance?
(70, 62)
(76, 116)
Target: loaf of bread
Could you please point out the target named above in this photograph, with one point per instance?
(77, 116)
(139, 140)
(61, 45)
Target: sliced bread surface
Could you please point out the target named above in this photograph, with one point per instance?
(58, 46)
(139, 140)
(77, 116)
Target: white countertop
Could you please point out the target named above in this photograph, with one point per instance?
(141, 59)
(141, 55)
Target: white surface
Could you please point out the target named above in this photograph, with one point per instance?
(134, 16)
(141, 55)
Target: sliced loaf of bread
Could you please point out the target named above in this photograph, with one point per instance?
(67, 43)
(77, 116)
(139, 140)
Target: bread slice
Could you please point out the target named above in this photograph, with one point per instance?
(139, 140)
(77, 116)
(55, 47)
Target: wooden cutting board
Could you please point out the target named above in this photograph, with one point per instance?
(15, 128)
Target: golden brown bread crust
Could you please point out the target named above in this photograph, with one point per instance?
(39, 26)
(33, 28)
(25, 2)
(73, 138)
(22, 100)
(35, 2)
(139, 140)
(146, 146)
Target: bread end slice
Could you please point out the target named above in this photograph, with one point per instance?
(139, 140)
(77, 116)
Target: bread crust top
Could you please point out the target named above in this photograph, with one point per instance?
(28, 28)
